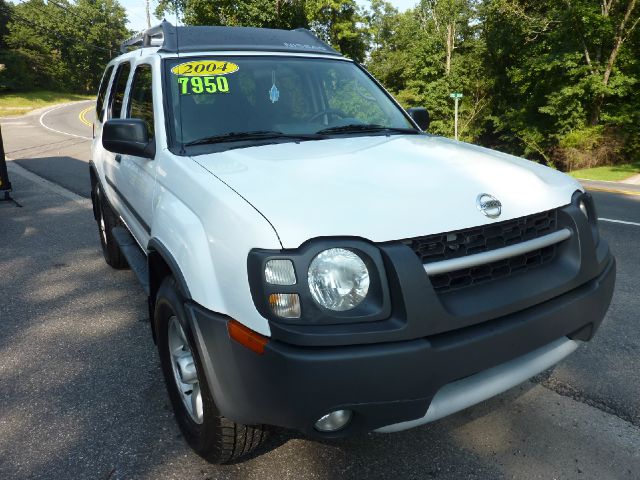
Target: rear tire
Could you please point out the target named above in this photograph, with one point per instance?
(107, 219)
(214, 437)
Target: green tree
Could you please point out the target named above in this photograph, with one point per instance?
(248, 13)
(12, 65)
(603, 30)
(104, 27)
(337, 23)
(448, 21)
(424, 54)
(64, 45)
(561, 72)
(5, 11)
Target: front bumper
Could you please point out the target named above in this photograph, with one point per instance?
(383, 383)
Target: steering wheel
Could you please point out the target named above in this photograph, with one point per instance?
(327, 111)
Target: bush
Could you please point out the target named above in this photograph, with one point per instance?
(15, 74)
(589, 147)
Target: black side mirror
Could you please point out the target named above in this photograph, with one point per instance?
(420, 115)
(128, 136)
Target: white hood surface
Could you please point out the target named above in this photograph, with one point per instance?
(384, 187)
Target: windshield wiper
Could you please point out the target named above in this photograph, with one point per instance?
(253, 135)
(365, 127)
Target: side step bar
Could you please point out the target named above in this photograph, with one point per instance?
(135, 256)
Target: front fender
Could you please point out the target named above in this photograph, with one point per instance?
(208, 231)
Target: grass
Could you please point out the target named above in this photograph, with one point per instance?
(13, 104)
(612, 173)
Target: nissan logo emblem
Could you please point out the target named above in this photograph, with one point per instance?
(489, 205)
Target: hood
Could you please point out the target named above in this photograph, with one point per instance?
(384, 188)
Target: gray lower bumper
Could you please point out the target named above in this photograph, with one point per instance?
(469, 391)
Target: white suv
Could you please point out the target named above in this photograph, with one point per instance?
(313, 259)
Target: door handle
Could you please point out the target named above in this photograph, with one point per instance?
(118, 158)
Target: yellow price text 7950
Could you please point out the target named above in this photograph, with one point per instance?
(190, 85)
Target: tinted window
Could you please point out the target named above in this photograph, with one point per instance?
(221, 95)
(140, 97)
(117, 93)
(102, 92)
(353, 94)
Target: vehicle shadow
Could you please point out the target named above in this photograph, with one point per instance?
(66, 171)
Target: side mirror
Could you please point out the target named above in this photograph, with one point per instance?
(420, 115)
(128, 136)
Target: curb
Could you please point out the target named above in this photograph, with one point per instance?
(633, 180)
(16, 169)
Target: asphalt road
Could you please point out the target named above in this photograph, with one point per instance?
(82, 394)
(35, 141)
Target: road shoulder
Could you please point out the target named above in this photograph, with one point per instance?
(611, 187)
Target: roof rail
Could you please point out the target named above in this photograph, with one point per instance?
(207, 38)
(160, 35)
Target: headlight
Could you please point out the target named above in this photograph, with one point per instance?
(338, 279)
(322, 282)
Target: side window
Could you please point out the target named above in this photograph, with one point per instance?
(117, 91)
(102, 91)
(141, 97)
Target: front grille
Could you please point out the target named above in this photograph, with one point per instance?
(465, 277)
(445, 246)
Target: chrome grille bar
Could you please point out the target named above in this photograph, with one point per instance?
(453, 264)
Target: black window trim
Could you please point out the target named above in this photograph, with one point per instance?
(114, 85)
(106, 81)
(128, 93)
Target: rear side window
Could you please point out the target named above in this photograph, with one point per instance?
(102, 92)
(141, 97)
(117, 91)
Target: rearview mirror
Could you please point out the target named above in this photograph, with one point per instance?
(128, 136)
(420, 115)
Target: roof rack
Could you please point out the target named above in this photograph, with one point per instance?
(203, 38)
(154, 36)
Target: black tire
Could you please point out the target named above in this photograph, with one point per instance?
(107, 219)
(217, 439)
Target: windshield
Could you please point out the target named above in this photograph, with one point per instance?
(224, 99)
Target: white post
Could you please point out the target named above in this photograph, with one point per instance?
(456, 118)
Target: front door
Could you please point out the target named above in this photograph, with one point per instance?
(136, 176)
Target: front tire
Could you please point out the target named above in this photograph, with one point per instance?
(214, 437)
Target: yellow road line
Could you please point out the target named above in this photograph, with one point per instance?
(611, 190)
(82, 116)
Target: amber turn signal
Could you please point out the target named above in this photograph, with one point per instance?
(247, 337)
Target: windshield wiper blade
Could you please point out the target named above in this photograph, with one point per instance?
(252, 135)
(365, 127)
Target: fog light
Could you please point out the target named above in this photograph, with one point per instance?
(285, 305)
(333, 421)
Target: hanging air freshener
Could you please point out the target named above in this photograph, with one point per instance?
(274, 93)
